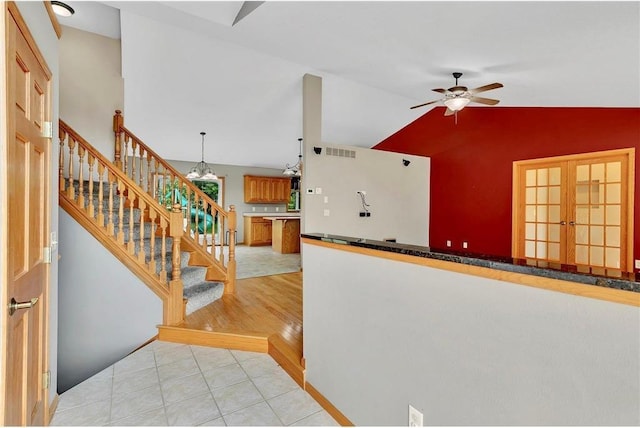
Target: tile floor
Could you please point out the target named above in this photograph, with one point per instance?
(168, 384)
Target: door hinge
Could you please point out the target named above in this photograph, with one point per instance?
(46, 255)
(46, 379)
(47, 129)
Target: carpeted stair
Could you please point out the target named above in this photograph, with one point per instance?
(197, 290)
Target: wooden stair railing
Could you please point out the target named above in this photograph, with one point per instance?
(102, 199)
(154, 174)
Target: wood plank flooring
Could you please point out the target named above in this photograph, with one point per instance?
(265, 305)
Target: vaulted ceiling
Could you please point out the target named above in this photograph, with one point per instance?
(379, 58)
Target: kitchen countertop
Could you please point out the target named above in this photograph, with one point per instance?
(271, 214)
(590, 276)
(289, 217)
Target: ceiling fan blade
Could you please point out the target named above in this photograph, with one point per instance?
(481, 100)
(449, 112)
(486, 88)
(442, 91)
(425, 104)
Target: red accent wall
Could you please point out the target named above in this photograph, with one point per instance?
(471, 162)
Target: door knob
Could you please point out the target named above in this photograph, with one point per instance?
(14, 305)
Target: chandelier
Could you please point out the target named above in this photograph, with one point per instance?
(295, 170)
(201, 170)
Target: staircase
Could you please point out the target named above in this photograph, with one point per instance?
(183, 264)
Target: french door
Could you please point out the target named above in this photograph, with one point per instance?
(575, 209)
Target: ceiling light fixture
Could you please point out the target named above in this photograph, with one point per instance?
(202, 171)
(456, 103)
(62, 9)
(295, 170)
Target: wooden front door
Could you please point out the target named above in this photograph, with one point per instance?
(28, 171)
(575, 209)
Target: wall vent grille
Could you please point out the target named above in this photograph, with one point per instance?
(343, 153)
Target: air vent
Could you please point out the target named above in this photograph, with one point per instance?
(343, 153)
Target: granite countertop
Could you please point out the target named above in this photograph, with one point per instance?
(271, 214)
(610, 278)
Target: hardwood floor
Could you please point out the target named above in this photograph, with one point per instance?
(268, 307)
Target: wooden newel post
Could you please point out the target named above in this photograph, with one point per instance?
(230, 284)
(175, 310)
(118, 121)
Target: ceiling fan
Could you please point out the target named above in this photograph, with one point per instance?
(457, 97)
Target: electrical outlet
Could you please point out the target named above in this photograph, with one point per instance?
(364, 192)
(253, 209)
(310, 191)
(277, 209)
(326, 213)
(265, 209)
(465, 244)
(637, 264)
(448, 242)
(326, 199)
(415, 417)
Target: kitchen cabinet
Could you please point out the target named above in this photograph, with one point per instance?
(257, 231)
(285, 234)
(266, 190)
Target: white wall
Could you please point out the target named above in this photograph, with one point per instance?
(464, 350)
(105, 310)
(178, 82)
(91, 86)
(398, 195)
(234, 188)
(39, 23)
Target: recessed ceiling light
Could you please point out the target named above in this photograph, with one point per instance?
(62, 9)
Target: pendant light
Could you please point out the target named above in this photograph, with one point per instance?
(295, 170)
(201, 170)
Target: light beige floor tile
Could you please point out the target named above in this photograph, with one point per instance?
(91, 390)
(274, 384)
(320, 419)
(245, 355)
(168, 355)
(160, 345)
(219, 422)
(293, 406)
(219, 377)
(261, 366)
(106, 373)
(209, 358)
(184, 367)
(193, 411)
(181, 388)
(137, 361)
(153, 418)
(131, 382)
(257, 415)
(92, 414)
(136, 402)
(236, 397)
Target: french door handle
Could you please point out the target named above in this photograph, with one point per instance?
(563, 223)
(14, 305)
(572, 223)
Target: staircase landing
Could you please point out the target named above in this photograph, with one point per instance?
(264, 315)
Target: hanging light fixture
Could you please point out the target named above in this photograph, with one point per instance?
(295, 170)
(62, 9)
(201, 170)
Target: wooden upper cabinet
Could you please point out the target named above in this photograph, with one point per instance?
(266, 190)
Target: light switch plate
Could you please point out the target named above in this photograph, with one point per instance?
(326, 213)
(318, 190)
(637, 264)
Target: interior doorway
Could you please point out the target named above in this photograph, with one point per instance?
(575, 210)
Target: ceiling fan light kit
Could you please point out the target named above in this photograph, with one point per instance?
(457, 97)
